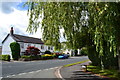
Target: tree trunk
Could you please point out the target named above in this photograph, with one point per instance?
(119, 58)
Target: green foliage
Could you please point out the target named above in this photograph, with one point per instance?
(29, 57)
(84, 51)
(104, 29)
(102, 32)
(111, 73)
(15, 49)
(5, 57)
(47, 52)
(93, 56)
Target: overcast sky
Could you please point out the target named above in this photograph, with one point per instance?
(12, 14)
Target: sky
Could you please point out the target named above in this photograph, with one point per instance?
(12, 14)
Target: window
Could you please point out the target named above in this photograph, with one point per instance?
(42, 47)
(22, 45)
(29, 44)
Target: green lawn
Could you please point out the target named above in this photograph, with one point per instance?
(109, 73)
(76, 63)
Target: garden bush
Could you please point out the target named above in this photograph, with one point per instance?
(47, 52)
(84, 51)
(15, 49)
(5, 57)
(26, 58)
(36, 57)
(31, 57)
(31, 50)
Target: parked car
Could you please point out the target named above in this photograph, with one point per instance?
(63, 56)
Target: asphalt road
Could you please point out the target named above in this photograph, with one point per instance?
(13, 68)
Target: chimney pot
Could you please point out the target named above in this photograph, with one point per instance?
(11, 31)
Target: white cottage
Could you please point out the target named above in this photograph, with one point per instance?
(24, 42)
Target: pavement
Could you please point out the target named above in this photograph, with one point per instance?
(76, 72)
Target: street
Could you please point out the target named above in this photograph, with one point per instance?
(20, 67)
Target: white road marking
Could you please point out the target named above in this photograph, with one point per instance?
(8, 76)
(30, 72)
(1, 77)
(12, 75)
(46, 69)
(38, 71)
(22, 73)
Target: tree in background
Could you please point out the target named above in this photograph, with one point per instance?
(15, 49)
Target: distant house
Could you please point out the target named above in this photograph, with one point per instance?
(24, 42)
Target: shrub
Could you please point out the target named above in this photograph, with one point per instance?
(5, 57)
(30, 57)
(26, 58)
(37, 57)
(15, 48)
(84, 51)
(47, 52)
(31, 50)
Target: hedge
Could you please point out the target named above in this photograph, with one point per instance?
(5, 57)
(15, 49)
(47, 52)
(38, 57)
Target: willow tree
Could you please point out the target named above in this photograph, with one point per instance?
(104, 28)
(102, 35)
(56, 16)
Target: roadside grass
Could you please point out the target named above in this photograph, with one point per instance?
(76, 63)
(111, 73)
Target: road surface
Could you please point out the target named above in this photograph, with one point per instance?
(20, 67)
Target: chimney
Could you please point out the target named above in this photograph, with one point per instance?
(11, 31)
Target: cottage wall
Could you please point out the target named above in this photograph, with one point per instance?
(6, 46)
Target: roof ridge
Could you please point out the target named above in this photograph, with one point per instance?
(26, 36)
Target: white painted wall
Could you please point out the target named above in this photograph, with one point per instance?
(68, 51)
(45, 47)
(6, 46)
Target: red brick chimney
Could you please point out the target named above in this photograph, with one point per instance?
(11, 31)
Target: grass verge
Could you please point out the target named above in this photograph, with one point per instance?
(76, 63)
(111, 73)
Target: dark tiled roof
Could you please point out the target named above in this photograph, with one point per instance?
(20, 38)
(26, 39)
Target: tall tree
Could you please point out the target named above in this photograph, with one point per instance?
(102, 34)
